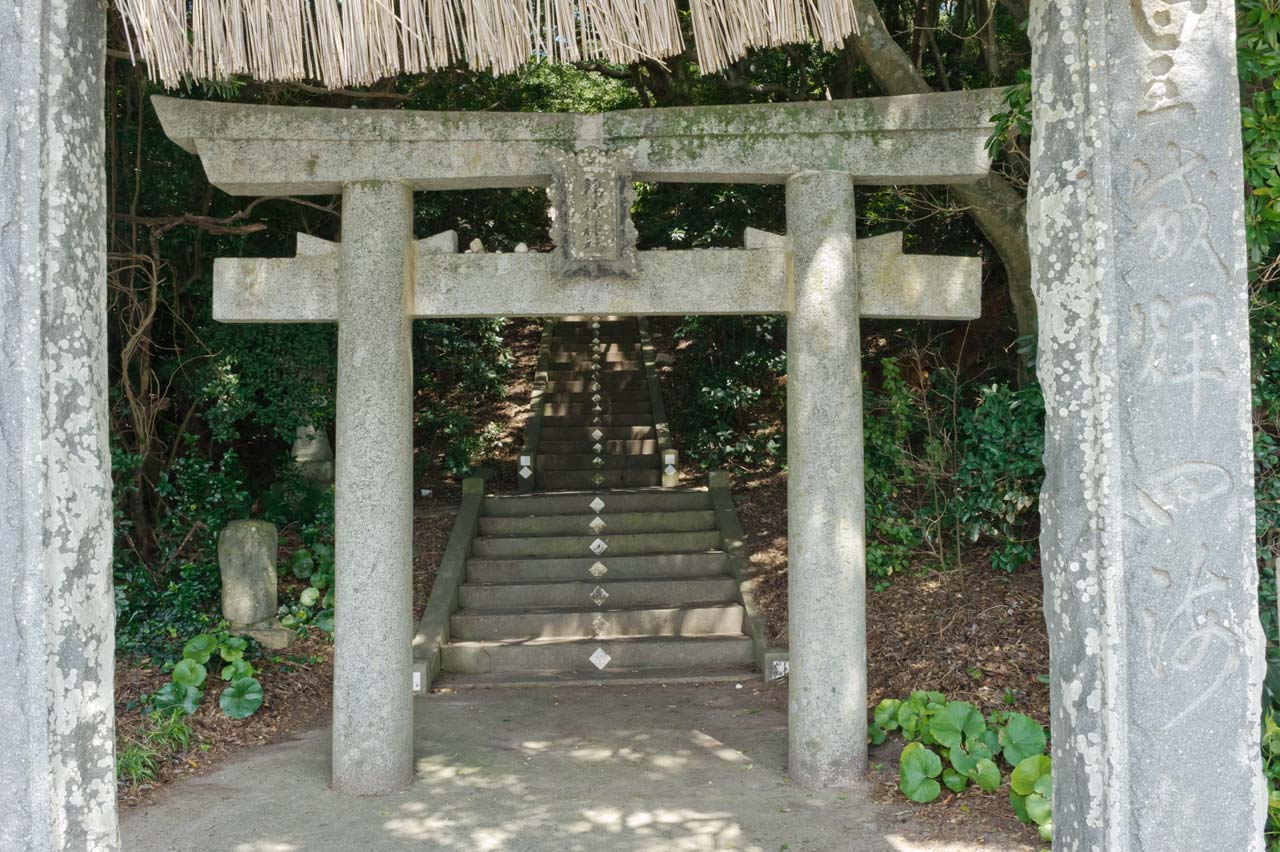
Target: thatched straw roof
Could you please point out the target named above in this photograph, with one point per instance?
(355, 42)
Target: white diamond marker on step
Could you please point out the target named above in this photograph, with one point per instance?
(598, 447)
(598, 546)
(597, 524)
(596, 434)
(600, 659)
(525, 472)
(596, 397)
(596, 505)
(669, 469)
(598, 570)
(599, 596)
(597, 462)
(598, 479)
(599, 625)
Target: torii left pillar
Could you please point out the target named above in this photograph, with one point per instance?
(373, 511)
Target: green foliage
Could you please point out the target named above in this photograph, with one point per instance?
(972, 745)
(1031, 793)
(172, 593)
(242, 699)
(169, 731)
(315, 565)
(1271, 768)
(136, 762)
(727, 392)
(182, 695)
(1258, 26)
(917, 769)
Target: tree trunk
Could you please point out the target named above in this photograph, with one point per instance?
(997, 207)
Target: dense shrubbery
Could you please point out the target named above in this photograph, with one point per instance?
(948, 462)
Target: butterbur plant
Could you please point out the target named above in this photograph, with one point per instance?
(951, 743)
(182, 695)
(315, 603)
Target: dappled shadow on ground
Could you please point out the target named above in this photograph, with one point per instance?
(654, 769)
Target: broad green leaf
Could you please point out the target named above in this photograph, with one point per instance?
(887, 713)
(1039, 809)
(956, 722)
(232, 648)
(173, 696)
(963, 761)
(1028, 772)
(876, 734)
(237, 670)
(981, 751)
(987, 775)
(309, 596)
(242, 698)
(1021, 737)
(1044, 786)
(1019, 807)
(188, 673)
(324, 620)
(302, 564)
(200, 648)
(917, 768)
(909, 716)
(1046, 831)
(954, 780)
(327, 603)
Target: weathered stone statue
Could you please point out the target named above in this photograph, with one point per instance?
(313, 456)
(247, 559)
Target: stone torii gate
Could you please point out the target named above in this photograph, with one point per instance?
(377, 278)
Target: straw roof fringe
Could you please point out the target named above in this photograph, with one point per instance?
(356, 42)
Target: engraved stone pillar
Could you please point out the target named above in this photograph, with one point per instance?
(1136, 227)
(372, 698)
(57, 612)
(250, 585)
(827, 700)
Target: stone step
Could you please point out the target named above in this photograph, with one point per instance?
(662, 566)
(579, 420)
(585, 396)
(568, 370)
(574, 480)
(587, 432)
(642, 500)
(586, 461)
(620, 593)
(575, 655)
(711, 619)
(625, 544)
(615, 382)
(584, 445)
(610, 675)
(607, 404)
(590, 524)
(560, 359)
(587, 347)
(607, 398)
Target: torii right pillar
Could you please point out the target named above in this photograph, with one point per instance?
(1137, 236)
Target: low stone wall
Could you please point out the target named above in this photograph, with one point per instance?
(433, 630)
(772, 662)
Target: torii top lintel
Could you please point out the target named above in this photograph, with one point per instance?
(268, 150)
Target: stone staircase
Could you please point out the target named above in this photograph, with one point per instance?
(597, 422)
(600, 575)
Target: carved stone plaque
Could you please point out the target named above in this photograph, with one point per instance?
(592, 194)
